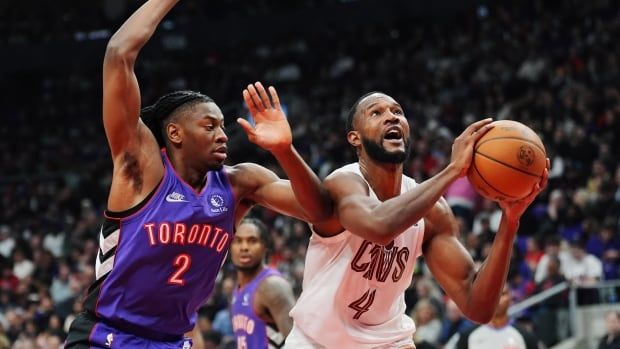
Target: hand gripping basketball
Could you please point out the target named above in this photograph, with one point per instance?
(463, 146)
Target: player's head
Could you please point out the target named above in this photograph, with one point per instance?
(377, 128)
(189, 122)
(250, 245)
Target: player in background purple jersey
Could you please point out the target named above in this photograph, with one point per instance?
(173, 206)
(263, 298)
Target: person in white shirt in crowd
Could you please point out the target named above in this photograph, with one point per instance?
(500, 332)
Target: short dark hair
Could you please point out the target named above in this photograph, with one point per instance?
(353, 110)
(155, 116)
(263, 231)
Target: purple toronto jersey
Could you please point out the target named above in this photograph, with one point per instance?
(158, 264)
(252, 332)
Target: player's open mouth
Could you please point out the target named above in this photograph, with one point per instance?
(393, 133)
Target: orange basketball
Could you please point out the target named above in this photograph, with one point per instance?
(508, 161)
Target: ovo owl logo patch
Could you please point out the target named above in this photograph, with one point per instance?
(526, 155)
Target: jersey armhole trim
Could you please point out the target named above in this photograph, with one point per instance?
(328, 239)
(118, 215)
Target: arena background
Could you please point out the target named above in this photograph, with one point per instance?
(553, 65)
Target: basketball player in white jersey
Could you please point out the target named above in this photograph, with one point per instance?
(360, 262)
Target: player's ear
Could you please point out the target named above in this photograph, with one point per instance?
(354, 138)
(174, 133)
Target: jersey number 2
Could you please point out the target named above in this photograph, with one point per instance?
(363, 304)
(182, 262)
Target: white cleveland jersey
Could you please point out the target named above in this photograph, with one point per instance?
(353, 289)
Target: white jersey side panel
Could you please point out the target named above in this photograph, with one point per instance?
(353, 289)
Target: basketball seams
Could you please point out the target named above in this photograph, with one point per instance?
(479, 144)
(508, 165)
(489, 184)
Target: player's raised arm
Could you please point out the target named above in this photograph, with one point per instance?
(476, 292)
(121, 94)
(381, 221)
(307, 199)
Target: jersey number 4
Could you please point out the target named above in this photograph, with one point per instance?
(182, 263)
(363, 304)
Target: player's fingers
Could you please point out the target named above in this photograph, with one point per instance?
(263, 95)
(274, 97)
(477, 125)
(247, 127)
(545, 179)
(259, 104)
(482, 131)
(249, 102)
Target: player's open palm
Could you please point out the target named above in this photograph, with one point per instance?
(515, 209)
(271, 131)
(463, 146)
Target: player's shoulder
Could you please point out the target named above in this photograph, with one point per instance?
(347, 172)
(273, 288)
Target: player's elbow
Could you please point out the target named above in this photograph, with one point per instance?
(123, 48)
(118, 53)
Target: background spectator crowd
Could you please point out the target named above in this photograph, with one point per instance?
(553, 65)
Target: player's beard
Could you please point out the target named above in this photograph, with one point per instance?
(249, 268)
(377, 152)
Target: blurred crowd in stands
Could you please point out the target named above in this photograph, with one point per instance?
(551, 65)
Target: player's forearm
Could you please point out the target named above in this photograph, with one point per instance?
(487, 284)
(138, 29)
(306, 185)
(397, 214)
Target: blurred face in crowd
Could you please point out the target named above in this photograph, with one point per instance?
(577, 252)
(199, 129)
(247, 249)
(553, 268)
(612, 322)
(381, 129)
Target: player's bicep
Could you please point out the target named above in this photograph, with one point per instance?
(265, 188)
(121, 100)
(447, 259)
(353, 205)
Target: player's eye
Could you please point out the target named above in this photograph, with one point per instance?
(375, 113)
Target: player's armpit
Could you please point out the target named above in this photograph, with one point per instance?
(276, 296)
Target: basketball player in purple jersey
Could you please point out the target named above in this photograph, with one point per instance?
(173, 207)
(263, 298)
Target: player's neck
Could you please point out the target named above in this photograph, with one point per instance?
(500, 321)
(195, 177)
(246, 276)
(385, 179)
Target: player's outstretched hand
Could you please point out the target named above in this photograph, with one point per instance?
(463, 146)
(514, 209)
(271, 131)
